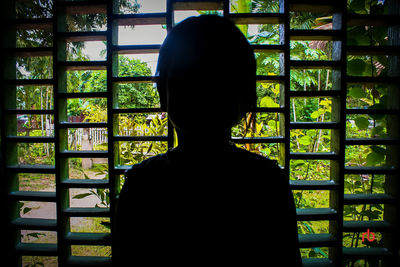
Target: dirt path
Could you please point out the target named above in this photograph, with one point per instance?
(47, 210)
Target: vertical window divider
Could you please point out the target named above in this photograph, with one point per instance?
(112, 102)
(284, 63)
(9, 127)
(338, 136)
(61, 135)
(225, 6)
(392, 183)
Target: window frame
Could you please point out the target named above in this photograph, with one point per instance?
(337, 200)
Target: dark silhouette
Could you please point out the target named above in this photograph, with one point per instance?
(206, 202)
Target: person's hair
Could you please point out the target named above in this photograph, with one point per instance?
(209, 49)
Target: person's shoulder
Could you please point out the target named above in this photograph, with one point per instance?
(251, 157)
(260, 167)
(147, 166)
(143, 175)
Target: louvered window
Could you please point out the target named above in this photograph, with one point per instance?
(79, 107)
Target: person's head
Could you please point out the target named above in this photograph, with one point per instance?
(206, 74)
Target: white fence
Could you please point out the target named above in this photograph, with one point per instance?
(98, 136)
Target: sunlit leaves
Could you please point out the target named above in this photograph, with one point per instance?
(267, 101)
(305, 140)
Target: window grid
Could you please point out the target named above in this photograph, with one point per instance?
(338, 170)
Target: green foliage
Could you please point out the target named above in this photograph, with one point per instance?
(35, 153)
(34, 68)
(130, 95)
(139, 94)
(370, 126)
(135, 152)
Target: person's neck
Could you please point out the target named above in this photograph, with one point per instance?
(198, 143)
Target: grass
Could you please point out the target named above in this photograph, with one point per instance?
(39, 261)
(37, 182)
(45, 237)
(90, 225)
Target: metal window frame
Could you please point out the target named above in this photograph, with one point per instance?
(334, 214)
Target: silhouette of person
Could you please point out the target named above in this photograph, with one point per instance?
(206, 201)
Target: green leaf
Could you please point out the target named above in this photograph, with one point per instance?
(20, 205)
(315, 114)
(351, 41)
(106, 224)
(80, 196)
(357, 5)
(374, 158)
(26, 210)
(149, 149)
(100, 192)
(275, 89)
(325, 102)
(311, 132)
(356, 67)
(297, 163)
(305, 140)
(272, 124)
(298, 195)
(378, 150)
(379, 35)
(358, 35)
(266, 151)
(35, 235)
(312, 254)
(267, 101)
(357, 92)
(362, 123)
(377, 130)
(357, 183)
(377, 106)
(108, 199)
(377, 116)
